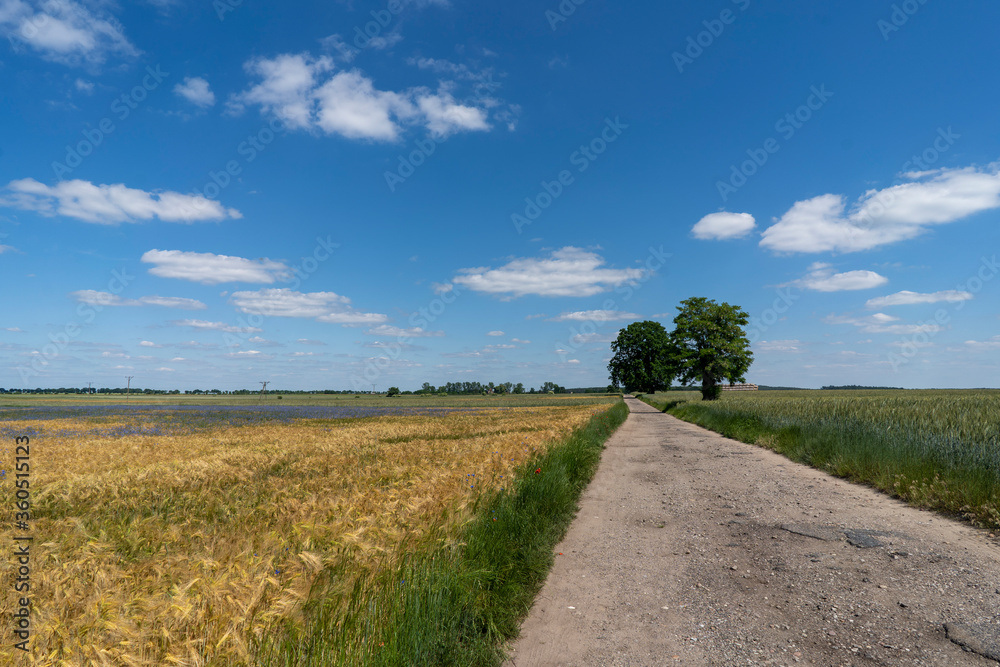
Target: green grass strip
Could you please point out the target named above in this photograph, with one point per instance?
(962, 482)
(460, 605)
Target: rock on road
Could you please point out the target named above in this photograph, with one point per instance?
(693, 549)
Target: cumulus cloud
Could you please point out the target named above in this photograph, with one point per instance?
(721, 226)
(779, 346)
(210, 269)
(495, 333)
(566, 272)
(882, 323)
(906, 298)
(595, 316)
(95, 298)
(110, 204)
(305, 93)
(821, 278)
(203, 325)
(414, 332)
(321, 306)
(196, 91)
(63, 31)
(984, 345)
(881, 217)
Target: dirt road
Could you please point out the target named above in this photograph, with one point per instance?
(693, 549)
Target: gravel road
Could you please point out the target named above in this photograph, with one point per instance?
(693, 549)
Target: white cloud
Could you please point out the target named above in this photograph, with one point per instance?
(210, 269)
(495, 333)
(881, 217)
(991, 344)
(349, 105)
(287, 87)
(779, 346)
(95, 298)
(567, 272)
(583, 339)
(202, 325)
(415, 332)
(111, 204)
(13, 329)
(595, 316)
(821, 278)
(444, 116)
(321, 306)
(148, 343)
(63, 31)
(251, 354)
(84, 86)
(196, 91)
(720, 226)
(522, 342)
(296, 89)
(882, 323)
(906, 298)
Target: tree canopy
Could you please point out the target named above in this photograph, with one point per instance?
(642, 360)
(709, 344)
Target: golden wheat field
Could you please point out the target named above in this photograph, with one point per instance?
(161, 539)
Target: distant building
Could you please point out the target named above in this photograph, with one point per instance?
(739, 387)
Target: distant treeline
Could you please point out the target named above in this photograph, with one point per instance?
(857, 386)
(451, 388)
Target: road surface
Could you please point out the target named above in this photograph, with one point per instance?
(693, 549)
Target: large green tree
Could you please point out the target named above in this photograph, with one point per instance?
(709, 344)
(642, 360)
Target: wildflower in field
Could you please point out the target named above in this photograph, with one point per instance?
(538, 470)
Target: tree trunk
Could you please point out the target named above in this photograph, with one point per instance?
(709, 390)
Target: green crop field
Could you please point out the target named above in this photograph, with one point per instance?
(934, 448)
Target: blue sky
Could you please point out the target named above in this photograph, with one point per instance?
(347, 194)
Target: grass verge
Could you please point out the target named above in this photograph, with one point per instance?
(905, 463)
(455, 603)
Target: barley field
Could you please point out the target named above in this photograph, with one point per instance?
(934, 448)
(172, 535)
